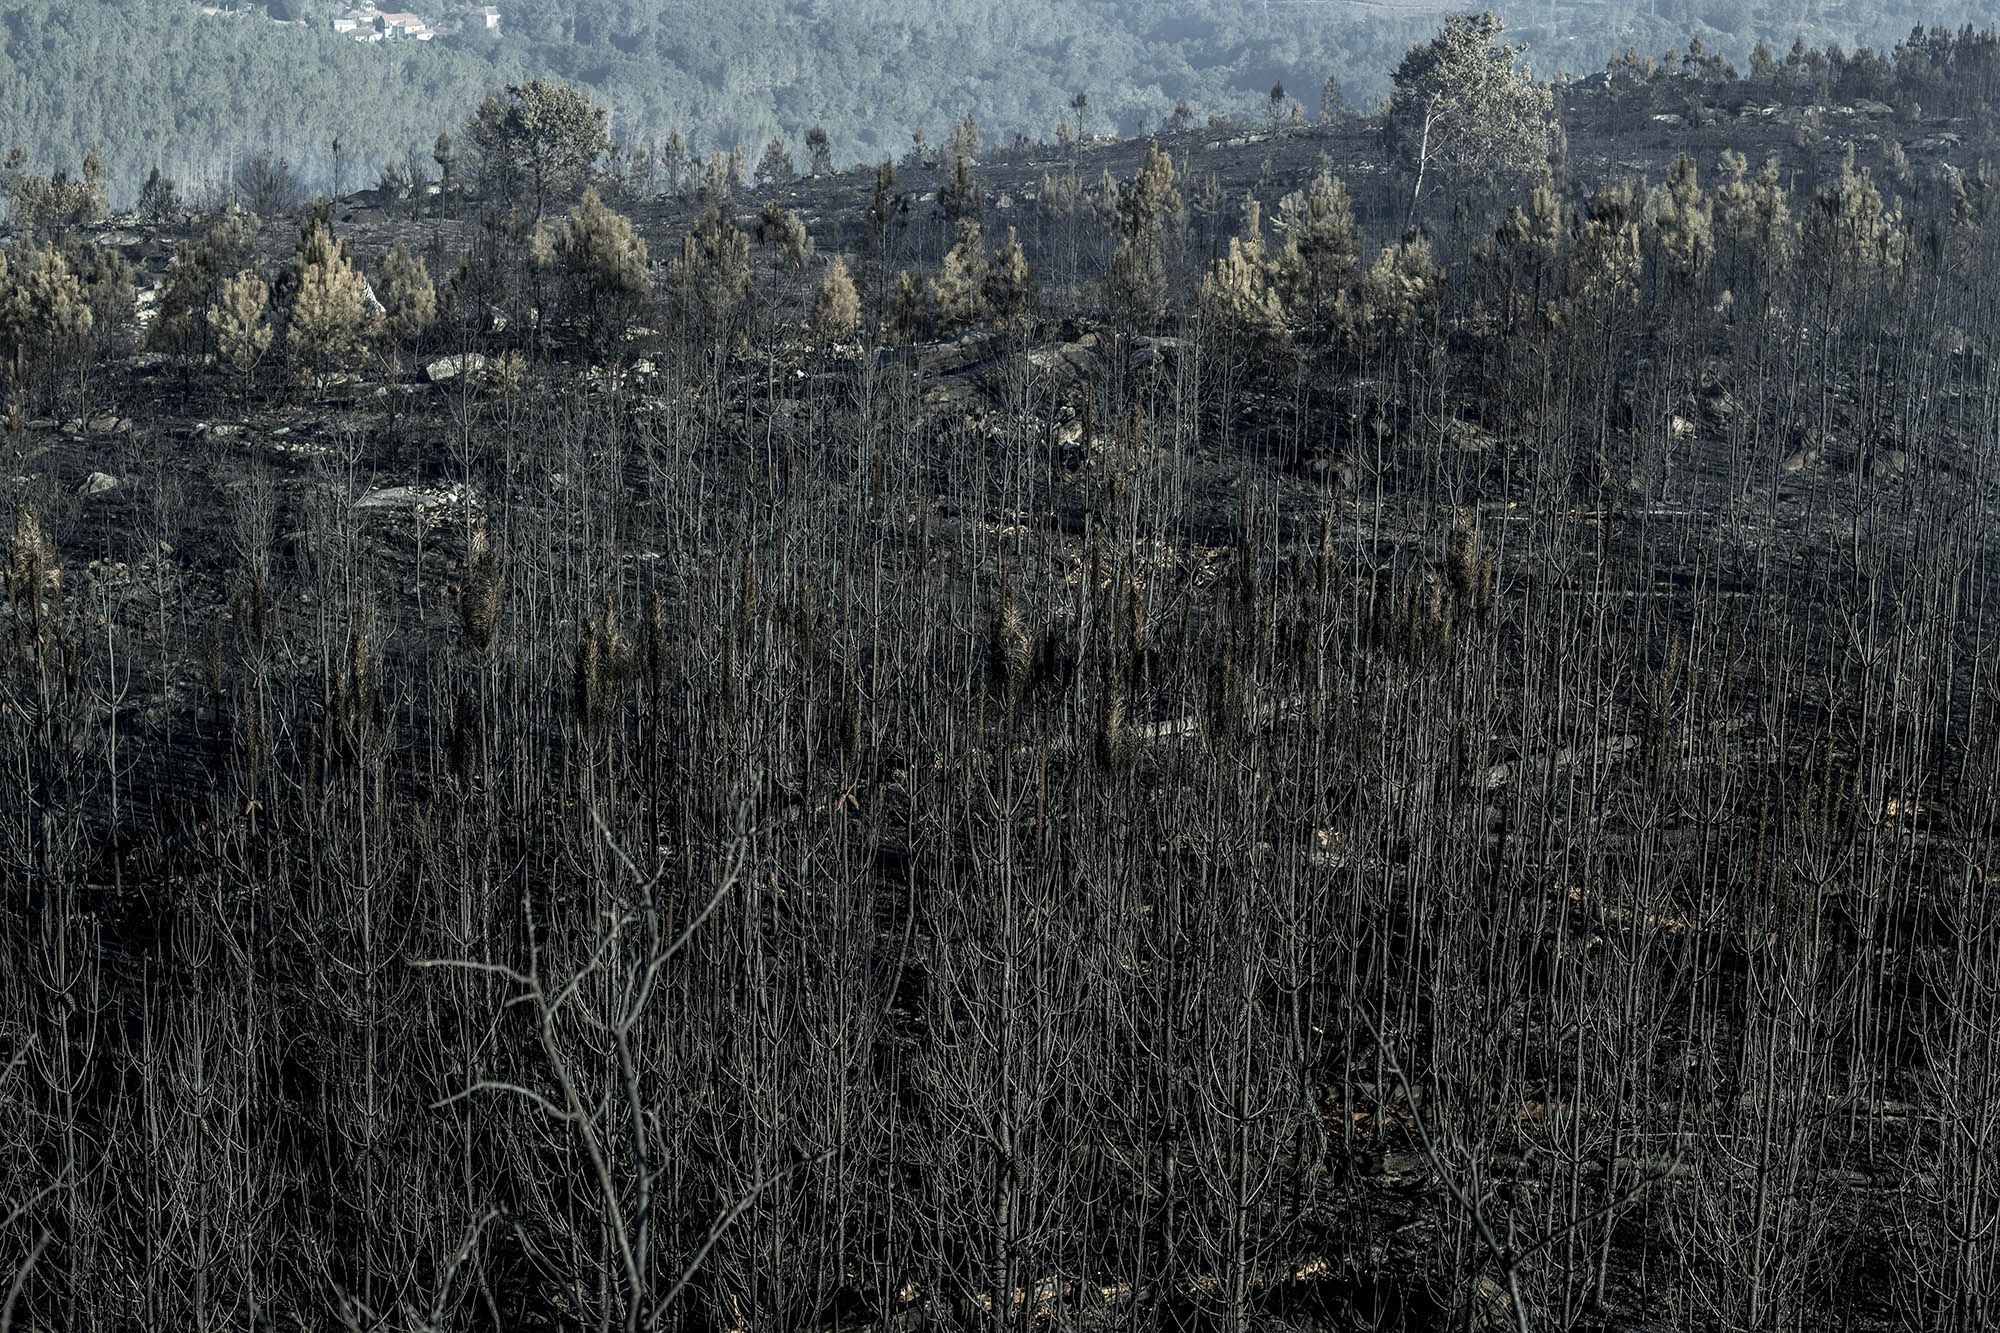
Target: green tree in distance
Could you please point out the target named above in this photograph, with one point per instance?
(542, 137)
(1322, 253)
(605, 263)
(1463, 105)
(1147, 206)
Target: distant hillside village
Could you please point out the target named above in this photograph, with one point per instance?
(366, 23)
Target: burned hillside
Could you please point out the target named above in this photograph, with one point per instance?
(1149, 735)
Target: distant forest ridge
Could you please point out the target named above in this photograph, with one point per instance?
(161, 83)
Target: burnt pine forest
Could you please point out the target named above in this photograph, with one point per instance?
(1327, 721)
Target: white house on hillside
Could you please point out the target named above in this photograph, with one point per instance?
(395, 27)
(364, 23)
(358, 23)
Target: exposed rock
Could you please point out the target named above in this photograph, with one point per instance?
(286, 446)
(416, 498)
(1469, 436)
(97, 483)
(1075, 360)
(451, 367)
(392, 497)
(956, 393)
(939, 357)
